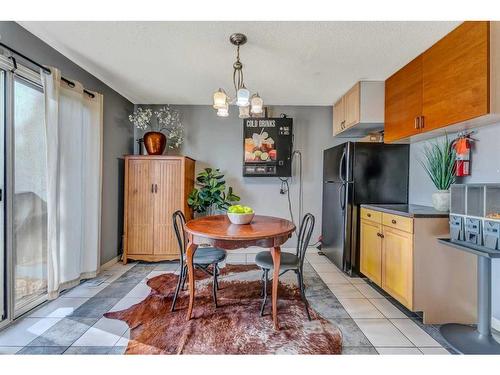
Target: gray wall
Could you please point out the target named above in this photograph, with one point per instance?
(118, 134)
(217, 142)
(485, 167)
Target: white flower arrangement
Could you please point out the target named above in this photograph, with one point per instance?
(141, 118)
(167, 121)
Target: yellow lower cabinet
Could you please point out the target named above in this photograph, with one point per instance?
(397, 265)
(371, 250)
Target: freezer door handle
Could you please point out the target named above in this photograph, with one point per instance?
(340, 166)
(341, 196)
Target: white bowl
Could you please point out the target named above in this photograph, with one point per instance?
(240, 218)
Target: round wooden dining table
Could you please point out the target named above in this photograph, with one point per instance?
(217, 231)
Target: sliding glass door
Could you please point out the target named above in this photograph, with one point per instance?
(29, 206)
(23, 191)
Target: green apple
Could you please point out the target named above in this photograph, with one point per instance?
(239, 209)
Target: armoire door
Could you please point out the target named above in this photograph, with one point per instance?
(140, 196)
(168, 181)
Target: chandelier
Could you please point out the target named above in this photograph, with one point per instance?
(248, 105)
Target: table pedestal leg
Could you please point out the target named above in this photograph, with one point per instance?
(191, 249)
(276, 254)
(469, 340)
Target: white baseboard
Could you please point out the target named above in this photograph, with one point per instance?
(495, 323)
(110, 263)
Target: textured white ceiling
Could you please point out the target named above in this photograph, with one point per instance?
(293, 63)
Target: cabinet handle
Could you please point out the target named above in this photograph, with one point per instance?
(417, 122)
(156, 188)
(152, 188)
(393, 221)
(369, 215)
(422, 122)
(380, 235)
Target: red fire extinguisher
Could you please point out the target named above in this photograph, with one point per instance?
(462, 146)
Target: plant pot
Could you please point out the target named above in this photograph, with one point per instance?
(441, 200)
(212, 210)
(155, 143)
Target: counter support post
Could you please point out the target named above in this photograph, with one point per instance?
(476, 340)
(484, 295)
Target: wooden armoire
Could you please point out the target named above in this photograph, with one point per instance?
(155, 187)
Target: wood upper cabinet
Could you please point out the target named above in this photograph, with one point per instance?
(454, 83)
(155, 187)
(397, 265)
(338, 116)
(371, 250)
(351, 106)
(456, 76)
(403, 101)
(360, 110)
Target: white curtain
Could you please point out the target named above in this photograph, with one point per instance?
(74, 150)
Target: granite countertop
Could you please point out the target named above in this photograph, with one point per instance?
(408, 210)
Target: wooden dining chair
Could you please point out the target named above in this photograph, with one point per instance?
(204, 257)
(289, 261)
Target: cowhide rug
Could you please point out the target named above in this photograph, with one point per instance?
(235, 327)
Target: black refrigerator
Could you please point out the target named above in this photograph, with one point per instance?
(355, 173)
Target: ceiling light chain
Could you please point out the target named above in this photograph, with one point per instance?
(248, 105)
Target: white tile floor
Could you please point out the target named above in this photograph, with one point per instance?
(387, 328)
(25, 331)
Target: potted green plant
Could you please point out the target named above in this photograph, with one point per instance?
(211, 195)
(439, 163)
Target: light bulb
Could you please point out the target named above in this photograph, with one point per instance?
(223, 111)
(242, 97)
(257, 104)
(220, 99)
(244, 112)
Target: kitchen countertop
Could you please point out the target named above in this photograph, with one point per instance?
(408, 210)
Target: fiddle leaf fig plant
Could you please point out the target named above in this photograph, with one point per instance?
(212, 192)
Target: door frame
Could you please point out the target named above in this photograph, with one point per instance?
(34, 78)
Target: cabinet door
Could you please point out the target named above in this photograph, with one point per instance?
(139, 207)
(351, 106)
(371, 250)
(456, 76)
(167, 199)
(338, 116)
(397, 265)
(403, 101)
